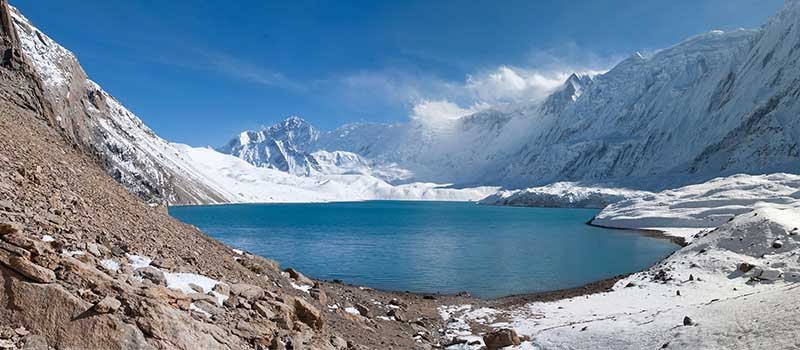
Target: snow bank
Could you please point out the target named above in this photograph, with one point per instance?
(686, 210)
(182, 281)
(562, 195)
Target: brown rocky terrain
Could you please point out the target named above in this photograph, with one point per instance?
(84, 264)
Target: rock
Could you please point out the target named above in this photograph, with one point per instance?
(201, 296)
(107, 305)
(9, 228)
(94, 249)
(7, 344)
(338, 342)
(769, 275)
(21, 331)
(36, 342)
(196, 288)
(284, 321)
(222, 289)
(8, 205)
(299, 277)
(746, 267)
(247, 291)
(263, 309)
(58, 220)
(151, 274)
(308, 314)
(164, 263)
(209, 306)
(363, 310)
(319, 295)
(687, 321)
(258, 264)
(16, 250)
(231, 302)
(501, 338)
(30, 270)
(777, 244)
(397, 314)
(397, 302)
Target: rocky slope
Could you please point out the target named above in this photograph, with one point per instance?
(86, 265)
(94, 121)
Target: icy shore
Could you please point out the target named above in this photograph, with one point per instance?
(734, 286)
(562, 195)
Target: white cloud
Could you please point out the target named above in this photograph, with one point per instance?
(509, 85)
(434, 112)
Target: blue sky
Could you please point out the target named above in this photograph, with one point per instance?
(200, 71)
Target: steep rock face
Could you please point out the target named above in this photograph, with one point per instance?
(98, 124)
(20, 84)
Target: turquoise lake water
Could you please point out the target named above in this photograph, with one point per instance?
(432, 247)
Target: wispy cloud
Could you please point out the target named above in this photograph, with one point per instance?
(247, 71)
(428, 97)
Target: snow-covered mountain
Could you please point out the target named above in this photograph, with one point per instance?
(162, 172)
(281, 147)
(716, 104)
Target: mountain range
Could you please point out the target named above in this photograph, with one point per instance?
(716, 104)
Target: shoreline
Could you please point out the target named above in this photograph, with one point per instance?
(680, 241)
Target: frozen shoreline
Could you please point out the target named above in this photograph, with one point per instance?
(741, 257)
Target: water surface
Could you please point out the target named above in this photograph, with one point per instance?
(432, 247)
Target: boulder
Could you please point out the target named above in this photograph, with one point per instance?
(10, 228)
(319, 295)
(164, 263)
(501, 338)
(258, 264)
(151, 274)
(687, 321)
(745, 267)
(196, 288)
(107, 305)
(209, 307)
(222, 289)
(363, 310)
(263, 309)
(30, 270)
(397, 314)
(299, 277)
(769, 275)
(247, 291)
(308, 314)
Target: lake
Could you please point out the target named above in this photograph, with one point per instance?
(430, 247)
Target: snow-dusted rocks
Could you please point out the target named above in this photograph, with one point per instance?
(562, 195)
(730, 288)
(686, 210)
